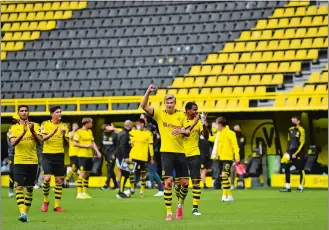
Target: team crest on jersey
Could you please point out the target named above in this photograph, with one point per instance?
(10, 132)
(81, 168)
(131, 166)
(179, 119)
(110, 139)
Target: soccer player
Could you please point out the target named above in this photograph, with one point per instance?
(296, 141)
(227, 149)
(141, 141)
(241, 138)
(24, 137)
(73, 154)
(55, 135)
(171, 127)
(84, 140)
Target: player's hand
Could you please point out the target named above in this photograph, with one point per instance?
(176, 131)
(55, 129)
(98, 155)
(90, 146)
(293, 156)
(113, 156)
(63, 130)
(152, 88)
(127, 160)
(31, 126)
(26, 126)
(152, 161)
(237, 162)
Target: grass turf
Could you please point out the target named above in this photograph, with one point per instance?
(252, 209)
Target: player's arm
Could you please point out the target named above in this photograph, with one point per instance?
(46, 136)
(123, 147)
(15, 140)
(288, 143)
(144, 104)
(235, 147)
(37, 135)
(151, 149)
(187, 131)
(301, 139)
(94, 147)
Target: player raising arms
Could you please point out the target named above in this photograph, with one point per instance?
(24, 137)
(84, 140)
(55, 135)
(192, 151)
(171, 123)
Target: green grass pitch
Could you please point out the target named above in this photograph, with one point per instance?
(263, 209)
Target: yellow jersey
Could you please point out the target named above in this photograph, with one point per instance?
(167, 123)
(84, 137)
(55, 144)
(191, 143)
(26, 149)
(73, 151)
(142, 141)
(227, 145)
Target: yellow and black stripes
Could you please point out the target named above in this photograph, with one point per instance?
(58, 193)
(28, 198)
(85, 185)
(177, 188)
(20, 199)
(302, 177)
(183, 193)
(132, 181)
(226, 185)
(70, 174)
(168, 199)
(45, 189)
(79, 185)
(143, 180)
(196, 192)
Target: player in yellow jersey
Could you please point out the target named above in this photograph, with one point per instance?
(55, 135)
(73, 154)
(141, 141)
(24, 137)
(171, 127)
(192, 152)
(84, 140)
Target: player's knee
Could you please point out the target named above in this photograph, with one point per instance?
(46, 178)
(196, 182)
(59, 180)
(168, 183)
(184, 182)
(19, 188)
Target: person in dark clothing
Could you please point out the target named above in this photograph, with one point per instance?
(109, 147)
(295, 154)
(241, 138)
(11, 154)
(123, 155)
(206, 162)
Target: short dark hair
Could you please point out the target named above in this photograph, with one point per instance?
(23, 106)
(222, 121)
(189, 105)
(296, 117)
(141, 121)
(54, 108)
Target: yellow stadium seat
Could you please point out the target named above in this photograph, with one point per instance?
(278, 34)
(294, 22)
(82, 4)
(65, 5)
(303, 101)
(315, 77)
(295, 44)
(239, 46)
(227, 90)
(272, 67)
(22, 16)
(249, 90)
(283, 23)
(309, 88)
(245, 57)
(297, 89)
(222, 80)
(249, 68)
(256, 57)
(35, 35)
(32, 26)
(243, 103)
(260, 90)
(266, 79)
(194, 71)
(317, 43)
(19, 46)
(278, 56)
(295, 67)
(216, 91)
(250, 46)
(323, 10)
(16, 26)
(325, 20)
(4, 18)
(7, 37)
(216, 70)
(188, 82)
(229, 47)
(37, 7)
(13, 17)
(261, 24)
(233, 80)
(315, 101)
(325, 44)
(245, 35)
(291, 55)
(254, 80)
(182, 92)
(283, 45)
(31, 16)
(11, 8)
(228, 69)
(3, 46)
(300, 11)
(312, 10)
(239, 69)
(205, 91)
(300, 33)
(41, 15)
(306, 21)
(210, 104)
(205, 70)
(324, 77)
(221, 103)
(312, 32)
(49, 15)
(3, 55)
(46, 6)
(212, 58)
(307, 43)
(244, 80)
(317, 21)
(279, 101)
(272, 23)
(278, 13)
(179, 104)
(238, 90)
(261, 68)
(58, 15)
(9, 46)
(193, 92)
(300, 55)
(172, 91)
(28, 7)
(277, 79)
(234, 57)
(312, 54)
(262, 45)
(324, 102)
(267, 34)
(232, 103)
(291, 101)
(199, 82)
(273, 45)
(3, 8)
(323, 31)
(51, 25)
(178, 82)
(289, 33)
(211, 81)
(321, 89)
(161, 92)
(304, 3)
(56, 5)
(289, 12)
(18, 36)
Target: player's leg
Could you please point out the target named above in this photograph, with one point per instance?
(29, 185)
(287, 173)
(177, 187)
(58, 171)
(113, 176)
(47, 172)
(300, 164)
(73, 171)
(167, 160)
(108, 178)
(11, 179)
(226, 186)
(182, 172)
(85, 183)
(143, 178)
(81, 176)
(195, 167)
(123, 179)
(132, 181)
(20, 174)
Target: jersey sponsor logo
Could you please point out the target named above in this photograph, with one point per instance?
(28, 138)
(167, 125)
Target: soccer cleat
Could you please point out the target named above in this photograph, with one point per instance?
(224, 198)
(132, 191)
(285, 190)
(128, 193)
(169, 217)
(79, 196)
(59, 209)
(44, 207)
(195, 212)
(105, 188)
(122, 195)
(159, 193)
(141, 195)
(300, 190)
(36, 186)
(179, 213)
(23, 217)
(86, 196)
(228, 199)
(11, 194)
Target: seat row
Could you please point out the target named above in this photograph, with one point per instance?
(29, 26)
(17, 6)
(36, 16)
(292, 102)
(300, 11)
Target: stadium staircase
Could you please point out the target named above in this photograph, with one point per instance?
(239, 56)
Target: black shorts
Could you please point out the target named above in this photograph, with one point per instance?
(206, 163)
(141, 165)
(25, 174)
(74, 162)
(53, 164)
(299, 161)
(194, 166)
(85, 164)
(177, 161)
(226, 167)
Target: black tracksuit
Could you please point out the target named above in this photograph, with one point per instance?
(123, 153)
